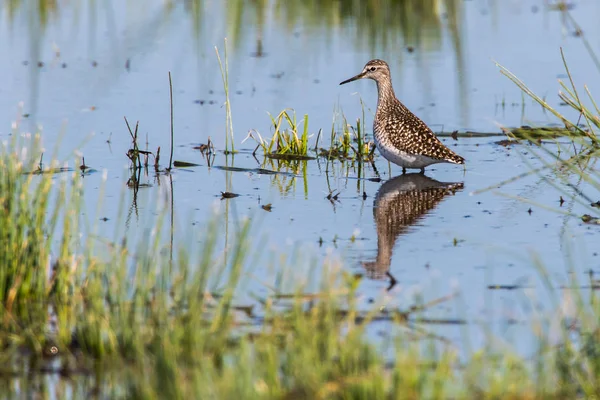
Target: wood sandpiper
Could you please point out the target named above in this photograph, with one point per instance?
(401, 136)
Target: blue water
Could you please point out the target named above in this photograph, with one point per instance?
(102, 64)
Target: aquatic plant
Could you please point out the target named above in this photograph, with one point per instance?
(120, 319)
(288, 141)
(172, 127)
(571, 97)
(348, 142)
(228, 120)
(572, 157)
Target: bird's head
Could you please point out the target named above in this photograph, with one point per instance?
(378, 70)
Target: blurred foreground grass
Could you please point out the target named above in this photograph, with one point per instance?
(130, 323)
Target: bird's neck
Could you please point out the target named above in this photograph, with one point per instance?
(385, 94)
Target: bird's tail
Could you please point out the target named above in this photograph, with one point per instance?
(455, 159)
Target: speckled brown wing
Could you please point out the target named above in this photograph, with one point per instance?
(408, 133)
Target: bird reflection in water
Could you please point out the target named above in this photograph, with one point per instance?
(400, 203)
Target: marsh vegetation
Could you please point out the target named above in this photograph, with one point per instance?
(296, 263)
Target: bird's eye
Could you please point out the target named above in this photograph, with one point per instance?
(372, 69)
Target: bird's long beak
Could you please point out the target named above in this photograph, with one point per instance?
(359, 76)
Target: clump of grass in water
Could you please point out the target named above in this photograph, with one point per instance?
(351, 144)
(587, 139)
(136, 155)
(347, 142)
(570, 97)
(287, 142)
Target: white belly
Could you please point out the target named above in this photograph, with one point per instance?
(404, 159)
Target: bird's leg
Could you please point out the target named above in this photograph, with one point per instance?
(403, 170)
(422, 170)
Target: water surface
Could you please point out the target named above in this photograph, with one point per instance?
(80, 68)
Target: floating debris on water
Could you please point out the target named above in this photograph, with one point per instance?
(183, 164)
(506, 142)
(333, 196)
(228, 195)
(588, 219)
(505, 287)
